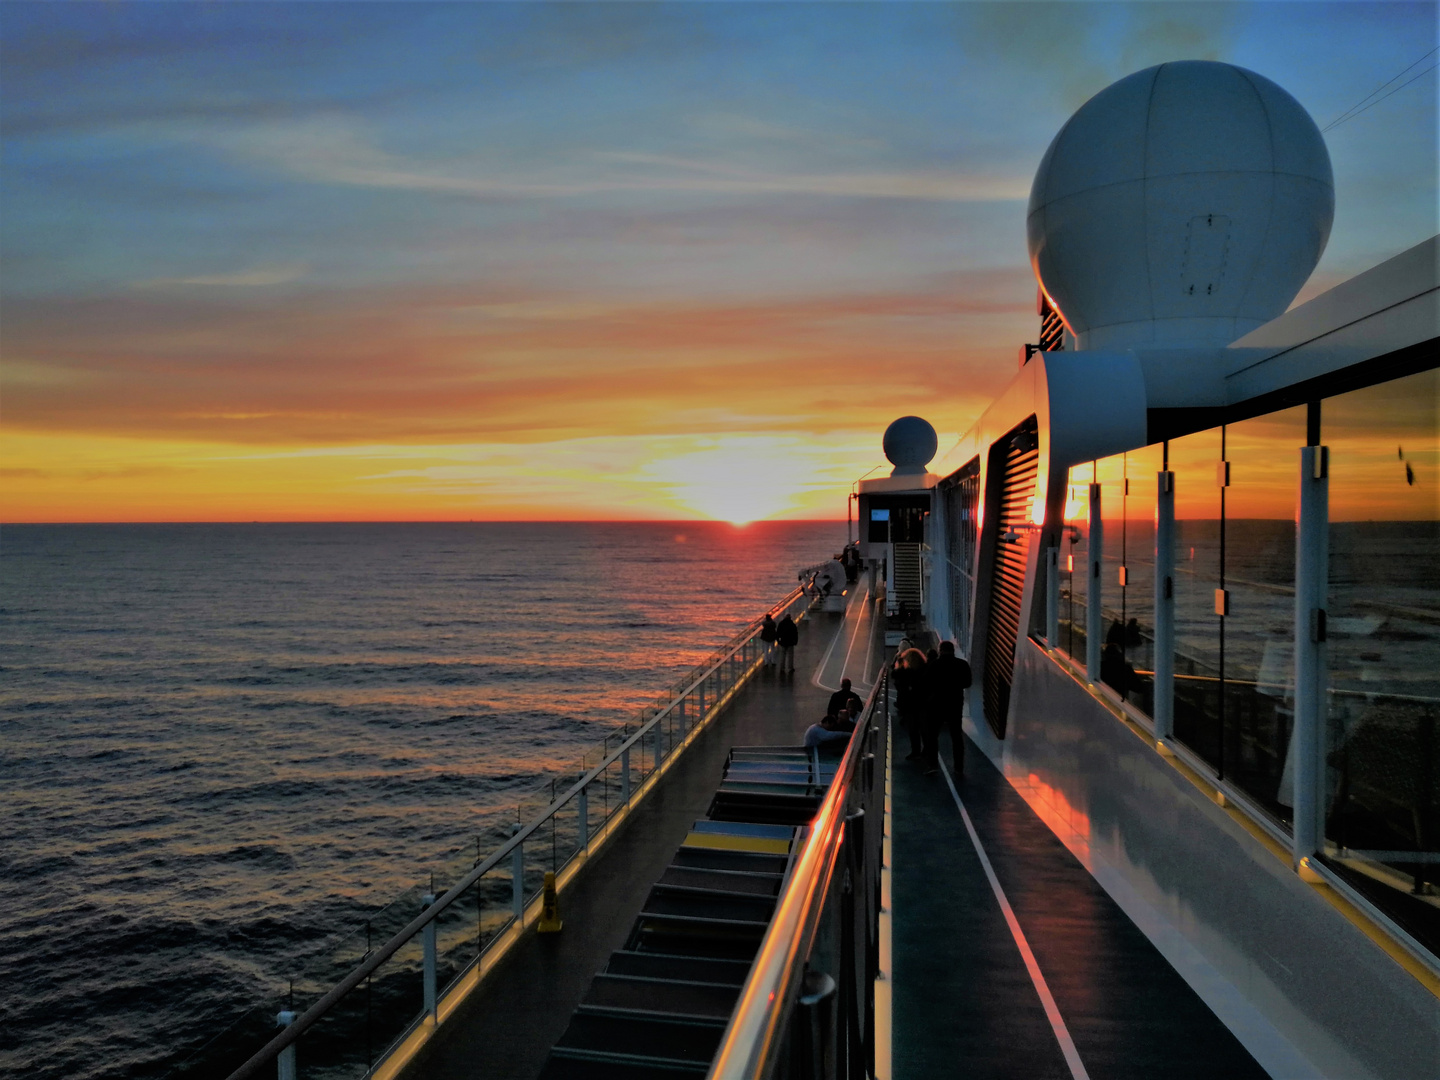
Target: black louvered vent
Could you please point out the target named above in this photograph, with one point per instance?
(1015, 459)
(1052, 329)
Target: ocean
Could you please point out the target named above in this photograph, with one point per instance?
(221, 745)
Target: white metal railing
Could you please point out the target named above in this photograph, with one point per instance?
(654, 743)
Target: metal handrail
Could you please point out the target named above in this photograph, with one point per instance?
(757, 1024)
(290, 1034)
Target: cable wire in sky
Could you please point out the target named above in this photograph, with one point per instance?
(1370, 100)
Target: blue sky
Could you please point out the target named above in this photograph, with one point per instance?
(471, 227)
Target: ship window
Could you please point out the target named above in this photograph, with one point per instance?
(961, 495)
(1383, 645)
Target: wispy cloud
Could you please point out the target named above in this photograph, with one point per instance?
(252, 278)
(333, 150)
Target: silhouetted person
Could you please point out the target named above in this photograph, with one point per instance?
(767, 638)
(787, 636)
(1115, 671)
(946, 679)
(842, 698)
(907, 674)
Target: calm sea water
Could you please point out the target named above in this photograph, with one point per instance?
(220, 742)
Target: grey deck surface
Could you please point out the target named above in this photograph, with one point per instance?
(506, 1028)
(964, 1004)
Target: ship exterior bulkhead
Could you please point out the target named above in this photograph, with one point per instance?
(1191, 553)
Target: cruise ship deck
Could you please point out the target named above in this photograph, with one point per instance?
(1007, 959)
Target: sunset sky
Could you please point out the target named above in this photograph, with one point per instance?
(498, 261)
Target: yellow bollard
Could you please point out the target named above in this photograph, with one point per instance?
(549, 912)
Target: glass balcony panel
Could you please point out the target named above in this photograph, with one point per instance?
(1384, 644)
(1074, 551)
(1137, 556)
(1194, 460)
(1260, 505)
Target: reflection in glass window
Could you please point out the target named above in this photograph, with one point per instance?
(1259, 553)
(1074, 553)
(1199, 641)
(1384, 643)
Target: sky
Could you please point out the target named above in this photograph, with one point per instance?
(326, 261)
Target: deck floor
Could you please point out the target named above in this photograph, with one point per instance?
(965, 1003)
(507, 1026)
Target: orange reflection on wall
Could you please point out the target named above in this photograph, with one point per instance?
(1070, 824)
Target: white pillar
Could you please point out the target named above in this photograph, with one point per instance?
(1165, 605)
(428, 972)
(285, 1060)
(1052, 597)
(1312, 573)
(1094, 621)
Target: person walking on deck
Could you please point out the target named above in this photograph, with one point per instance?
(946, 679)
(787, 636)
(767, 638)
(907, 675)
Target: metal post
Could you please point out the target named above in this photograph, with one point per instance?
(1094, 620)
(1052, 597)
(1164, 605)
(582, 813)
(517, 878)
(659, 743)
(700, 705)
(285, 1060)
(428, 975)
(1312, 556)
(625, 774)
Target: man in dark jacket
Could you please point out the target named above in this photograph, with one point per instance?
(947, 677)
(767, 639)
(787, 636)
(842, 698)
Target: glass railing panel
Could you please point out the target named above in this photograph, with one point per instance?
(1074, 556)
(1384, 644)
(1195, 461)
(1137, 600)
(1260, 507)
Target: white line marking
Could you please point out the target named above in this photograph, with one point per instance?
(1052, 1011)
(863, 608)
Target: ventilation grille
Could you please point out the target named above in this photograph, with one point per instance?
(1015, 482)
(1052, 329)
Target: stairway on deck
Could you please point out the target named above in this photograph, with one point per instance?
(659, 1008)
(906, 572)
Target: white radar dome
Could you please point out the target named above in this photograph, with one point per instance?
(910, 443)
(1183, 205)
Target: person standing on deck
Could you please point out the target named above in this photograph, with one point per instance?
(767, 638)
(946, 679)
(787, 636)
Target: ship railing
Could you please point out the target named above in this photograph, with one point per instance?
(807, 1010)
(458, 936)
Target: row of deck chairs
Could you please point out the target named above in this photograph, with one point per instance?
(661, 1005)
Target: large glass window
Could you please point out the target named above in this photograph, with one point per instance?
(1384, 644)
(1259, 580)
(962, 494)
(1199, 632)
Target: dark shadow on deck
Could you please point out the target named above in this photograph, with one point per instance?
(506, 1027)
(964, 1004)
